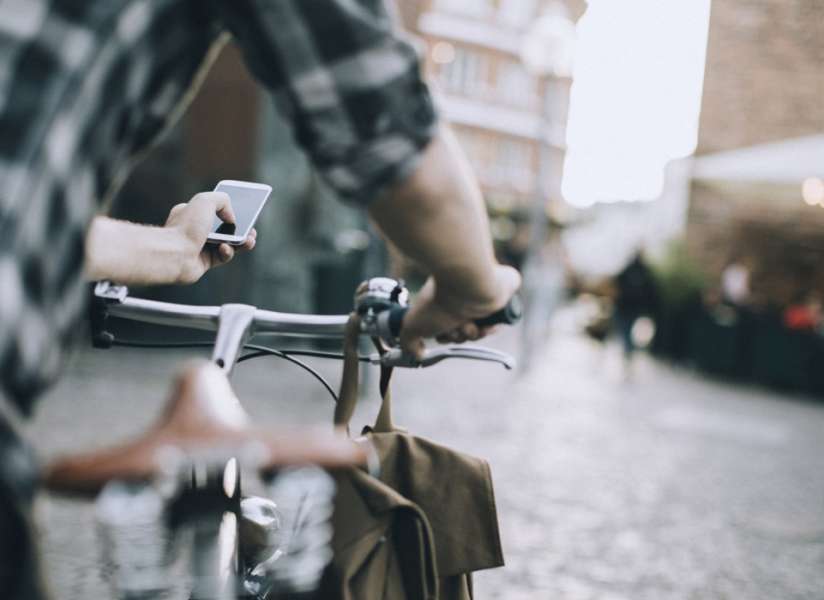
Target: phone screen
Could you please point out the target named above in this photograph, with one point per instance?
(246, 204)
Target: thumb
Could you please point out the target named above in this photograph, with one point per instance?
(509, 282)
(413, 346)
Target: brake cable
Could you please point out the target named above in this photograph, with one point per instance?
(258, 351)
(264, 351)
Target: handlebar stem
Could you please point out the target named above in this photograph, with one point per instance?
(234, 329)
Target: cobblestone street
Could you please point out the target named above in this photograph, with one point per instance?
(670, 486)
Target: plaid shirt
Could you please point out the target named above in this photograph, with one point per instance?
(86, 85)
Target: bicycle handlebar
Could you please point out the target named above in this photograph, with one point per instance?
(208, 318)
(236, 323)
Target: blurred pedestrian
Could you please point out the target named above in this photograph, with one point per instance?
(636, 295)
(735, 283)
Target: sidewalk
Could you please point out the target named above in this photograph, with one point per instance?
(667, 487)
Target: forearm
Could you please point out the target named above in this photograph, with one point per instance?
(437, 218)
(133, 254)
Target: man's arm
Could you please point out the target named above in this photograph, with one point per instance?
(134, 254)
(352, 88)
(437, 218)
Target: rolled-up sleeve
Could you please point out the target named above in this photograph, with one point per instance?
(348, 83)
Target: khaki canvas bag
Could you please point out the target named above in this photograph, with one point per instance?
(421, 527)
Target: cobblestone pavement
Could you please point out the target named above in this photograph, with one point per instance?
(670, 486)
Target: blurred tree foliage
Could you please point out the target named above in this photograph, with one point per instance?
(681, 283)
(680, 279)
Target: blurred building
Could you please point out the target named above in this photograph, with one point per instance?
(763, 79)
(471, 54)
(409, 12)
(494, 104)
(757, 190)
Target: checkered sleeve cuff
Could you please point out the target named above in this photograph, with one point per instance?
(395, 124)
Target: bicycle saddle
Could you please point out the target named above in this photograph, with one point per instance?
(202, 416)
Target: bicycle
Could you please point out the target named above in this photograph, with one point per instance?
(178, 486)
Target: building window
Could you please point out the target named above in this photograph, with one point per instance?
(514, 164)
(466, 74)
(556, 105)
(517, 13)
(472, 8)
(472, 143)
(514, 85)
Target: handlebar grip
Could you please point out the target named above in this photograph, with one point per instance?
(508, 315)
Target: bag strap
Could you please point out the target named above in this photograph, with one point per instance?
(348, 392)
(383, 424)
(349, 383)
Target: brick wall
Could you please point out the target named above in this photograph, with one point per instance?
(765, 73)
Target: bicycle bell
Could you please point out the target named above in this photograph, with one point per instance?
(379, 294)
(375, 297)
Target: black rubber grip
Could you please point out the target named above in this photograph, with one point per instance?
(508, 315)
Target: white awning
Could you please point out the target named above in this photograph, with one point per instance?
(788, 161)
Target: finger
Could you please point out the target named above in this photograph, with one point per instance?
(456, 336)
(219, 203)
(425, 318)
(211, 255)
(250, 241)
(223, 207)
(509, 281)
(470, 331)
(413, 346)
(225, 253)
(485, 331)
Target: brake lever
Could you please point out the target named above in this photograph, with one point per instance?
(397, 358)
(110, 292)
(105, 294)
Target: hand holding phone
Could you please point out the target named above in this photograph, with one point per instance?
(247, 201)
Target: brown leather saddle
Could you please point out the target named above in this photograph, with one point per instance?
(203, 413)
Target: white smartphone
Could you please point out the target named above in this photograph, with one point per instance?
(247, 200)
